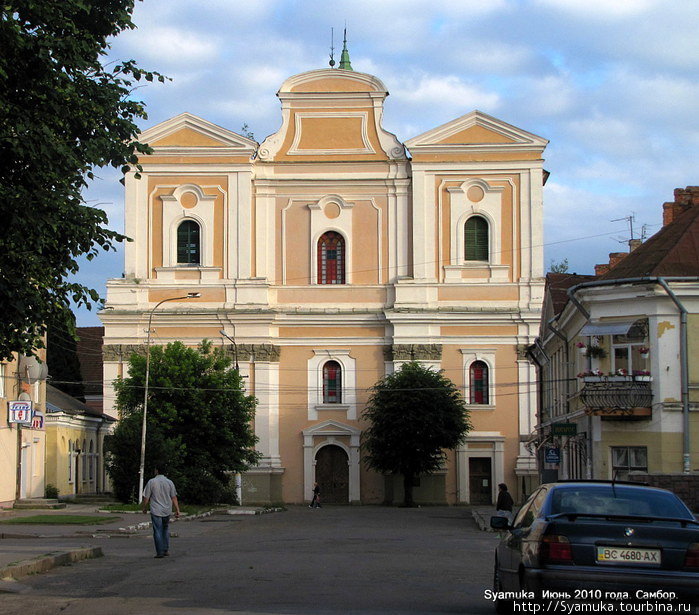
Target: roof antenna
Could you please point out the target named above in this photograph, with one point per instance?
(332, 47)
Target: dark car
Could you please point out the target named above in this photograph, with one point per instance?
(602, 540)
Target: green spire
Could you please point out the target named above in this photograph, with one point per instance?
(344, 58)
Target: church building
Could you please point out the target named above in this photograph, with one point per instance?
(330, 254)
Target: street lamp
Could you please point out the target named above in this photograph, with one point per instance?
(145, 392)
(235, 347)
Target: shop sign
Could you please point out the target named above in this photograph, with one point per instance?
(20, 412)
(552, 455)
(564, 429)
(38, 420)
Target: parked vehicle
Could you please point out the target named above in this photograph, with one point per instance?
(598, 539)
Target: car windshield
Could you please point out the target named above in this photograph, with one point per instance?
(617, 500)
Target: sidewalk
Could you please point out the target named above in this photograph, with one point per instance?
(29, 549)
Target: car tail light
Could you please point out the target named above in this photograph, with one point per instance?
(691, 560)
(555, 549)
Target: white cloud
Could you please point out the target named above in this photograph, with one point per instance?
(601, 9)
(448, 92)
(168, 45)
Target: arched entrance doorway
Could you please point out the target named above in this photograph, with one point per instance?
(332, 474)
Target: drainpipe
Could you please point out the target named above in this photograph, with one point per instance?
(684, 359)
(684, 375)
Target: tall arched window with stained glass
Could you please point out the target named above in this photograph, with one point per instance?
(332, 383)
(478, 379)
(331, 258)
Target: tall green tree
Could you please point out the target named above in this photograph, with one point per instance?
(199, 423)
(62, 113)
(415, 415)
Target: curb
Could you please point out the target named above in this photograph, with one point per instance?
(483, 524)
(42, 563)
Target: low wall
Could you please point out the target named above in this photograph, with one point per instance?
(686, 486)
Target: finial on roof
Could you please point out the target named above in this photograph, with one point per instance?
(332, 48)
(344, 58)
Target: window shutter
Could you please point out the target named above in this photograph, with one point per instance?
(476, 239)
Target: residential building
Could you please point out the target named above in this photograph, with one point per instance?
(619, 377)
(22, 446)
(75, 435)
(330, 254)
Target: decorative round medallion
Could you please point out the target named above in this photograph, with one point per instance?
(475, 194)
(332, 210)
(189, 200)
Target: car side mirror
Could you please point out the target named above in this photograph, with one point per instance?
(500, 523)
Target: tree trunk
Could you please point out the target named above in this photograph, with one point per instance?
(408, 490)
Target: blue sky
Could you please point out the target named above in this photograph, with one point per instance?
(612, 84)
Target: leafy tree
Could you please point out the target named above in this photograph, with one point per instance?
(199, 423)
(415, 414)
(62, 113)
(559, 267)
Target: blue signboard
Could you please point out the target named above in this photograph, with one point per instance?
(552, 455)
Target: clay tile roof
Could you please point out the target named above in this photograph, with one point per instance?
(672, 251)
(558, 284)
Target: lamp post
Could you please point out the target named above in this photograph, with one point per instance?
(235, 347)
(145, 388)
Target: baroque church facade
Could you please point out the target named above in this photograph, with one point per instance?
(330, 254)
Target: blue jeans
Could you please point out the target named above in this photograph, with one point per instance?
(161, 533)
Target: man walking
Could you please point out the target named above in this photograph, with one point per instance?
(161, 494)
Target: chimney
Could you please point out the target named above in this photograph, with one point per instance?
(684, 199)
(634, 243)
(614, 259)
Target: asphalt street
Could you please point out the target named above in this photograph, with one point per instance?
(362, 560)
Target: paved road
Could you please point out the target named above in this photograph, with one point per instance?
(362, 560)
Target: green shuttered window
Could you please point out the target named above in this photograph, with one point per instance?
(476, 239)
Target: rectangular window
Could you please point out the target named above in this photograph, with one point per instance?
(2, 380)
(627, 459)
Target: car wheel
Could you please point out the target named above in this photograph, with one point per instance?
(502, 607)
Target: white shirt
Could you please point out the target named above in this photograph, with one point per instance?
(160, 490)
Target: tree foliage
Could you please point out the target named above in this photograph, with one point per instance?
(62, 113)
(415, 414)
(199, 423)
(559, 267)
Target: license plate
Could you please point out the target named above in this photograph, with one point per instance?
(627, 555)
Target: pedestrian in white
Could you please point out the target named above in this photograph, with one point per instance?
(161, 494)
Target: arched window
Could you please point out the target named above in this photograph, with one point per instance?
(331, 259)
(476, 239)
(332, 383)
(188, 243)
(479, 383)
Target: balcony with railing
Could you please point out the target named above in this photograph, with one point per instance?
(617, 397)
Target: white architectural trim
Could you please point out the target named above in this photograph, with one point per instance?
(496, 454)
(315, 382)
(432, 141)
(321, 224)
(323, 434)
(468, 356)
(174, 213)
(298, 121)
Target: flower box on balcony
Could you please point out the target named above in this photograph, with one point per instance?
(643, 378)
